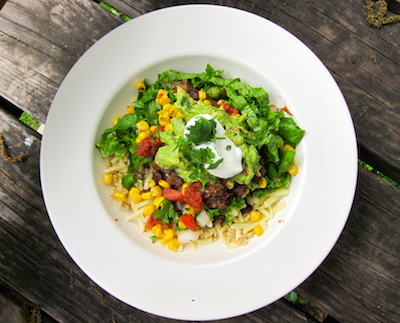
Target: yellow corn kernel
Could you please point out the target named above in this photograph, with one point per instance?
(164, 118)
(287, 148)
(146, 196)
(149, 210)
(208, 102)
(184, 186)
(134, 195)
(293, 170)
(262, 182)
(164, 100)
(157, 230)
(168, 107)
(169, 127)
(161, 92)
(107, 178)
(174, 244)
(258, 230)
(229, 184)
(168, 236)
(202, 95)
(151, 182)
(179, 115)
(120, 196)
(115, 120)
(181, 225)
(131, 109)
(143, 135)
(153, 129)
(140, 86)
(247, 191)
(163, 121)
(173, 111)
(158, 200)
(143, 125)
(164, 184)
(255, 215)
(156, 191)
(189, 210)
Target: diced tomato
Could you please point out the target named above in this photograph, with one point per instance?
(189, 221)
(151, 222)
(172, 194)
(229, 109)
(148, 147)
(193, 196)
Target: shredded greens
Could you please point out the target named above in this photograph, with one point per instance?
(258, 128)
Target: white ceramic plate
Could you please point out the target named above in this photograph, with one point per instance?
(210, 283)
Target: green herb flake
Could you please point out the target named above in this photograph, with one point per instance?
(203, 130)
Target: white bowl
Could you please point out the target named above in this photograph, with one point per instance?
(211, 282)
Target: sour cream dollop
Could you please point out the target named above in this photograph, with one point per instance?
(222, 148)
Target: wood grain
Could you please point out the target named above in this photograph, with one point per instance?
(39, 43)
(367, 251)
(41, 40)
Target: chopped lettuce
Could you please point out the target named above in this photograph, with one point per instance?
(258, 128)
(268, 131)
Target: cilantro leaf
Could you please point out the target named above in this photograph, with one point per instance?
(200, 156)
(238, 203)
(167, 213)
(127, 181)
(203, 130)
(216, 164)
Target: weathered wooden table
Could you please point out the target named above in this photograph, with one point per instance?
(40, 40)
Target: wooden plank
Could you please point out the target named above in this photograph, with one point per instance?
(360, 278)
(40, 41)
(338, 286)
(33, 261)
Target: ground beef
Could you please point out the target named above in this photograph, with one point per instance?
(184, 84)
(246, 209)
(220, 218)
(188, 87)
(175, 180)
(239, 190)
(218, 196)
(215, 195)
(168, 175)
(194, 93)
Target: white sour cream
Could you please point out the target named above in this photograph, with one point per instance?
(222, 148)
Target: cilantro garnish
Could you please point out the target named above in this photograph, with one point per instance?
(203, 130)
(216, 164)
(167, 213)
(128, 181)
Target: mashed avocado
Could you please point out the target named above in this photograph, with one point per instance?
(170, 157)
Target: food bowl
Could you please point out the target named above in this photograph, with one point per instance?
(113, 252)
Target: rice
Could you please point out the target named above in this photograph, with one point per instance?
(232, 234)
